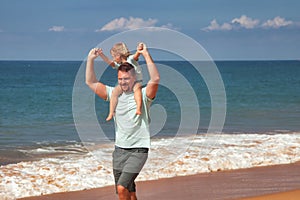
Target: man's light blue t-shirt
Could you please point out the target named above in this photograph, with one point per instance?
(132, 131)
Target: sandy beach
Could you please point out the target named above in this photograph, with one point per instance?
(271, 182)
(290, 195)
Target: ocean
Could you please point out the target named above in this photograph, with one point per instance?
(42, 149)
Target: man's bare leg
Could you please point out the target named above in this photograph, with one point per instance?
(124, 194)
(133, 196)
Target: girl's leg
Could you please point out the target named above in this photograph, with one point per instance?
(138, 97)
(113, 102)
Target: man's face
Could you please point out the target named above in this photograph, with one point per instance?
(126, 81)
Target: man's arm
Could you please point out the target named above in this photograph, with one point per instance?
(90, 77)
(152, 85)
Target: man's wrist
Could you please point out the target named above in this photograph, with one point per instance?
(146, 53)
(90, 59)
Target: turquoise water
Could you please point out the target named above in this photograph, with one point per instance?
(36, 100)
(261, 95)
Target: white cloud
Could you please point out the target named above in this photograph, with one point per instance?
(277, 22)
(57, 28)
(122, 23)
(215, 26)
(249, 23)
(169, 26)
(246, 22)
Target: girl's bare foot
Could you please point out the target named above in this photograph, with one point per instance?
(138, 112)
(109, 117)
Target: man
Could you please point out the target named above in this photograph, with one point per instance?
(132, 131)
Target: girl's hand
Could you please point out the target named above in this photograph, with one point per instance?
(100, 51)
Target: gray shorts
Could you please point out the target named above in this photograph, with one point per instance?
(127, 164)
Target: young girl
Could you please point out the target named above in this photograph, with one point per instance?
(121, 54)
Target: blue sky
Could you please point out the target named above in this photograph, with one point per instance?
(227, 29)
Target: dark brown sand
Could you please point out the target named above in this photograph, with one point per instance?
(282, 181)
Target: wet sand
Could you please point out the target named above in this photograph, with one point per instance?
(281, 181)
(290, 195)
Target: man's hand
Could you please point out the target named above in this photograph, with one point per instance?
(142, 48)
(94, 53)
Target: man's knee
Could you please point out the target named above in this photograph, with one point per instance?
(122, 190)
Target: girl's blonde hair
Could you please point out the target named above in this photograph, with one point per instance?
(121, 49)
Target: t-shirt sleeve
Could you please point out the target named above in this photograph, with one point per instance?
(109, 90)
(147, 99)
(130, 59)
(117, 65)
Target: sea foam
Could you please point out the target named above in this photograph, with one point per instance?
(169, 157)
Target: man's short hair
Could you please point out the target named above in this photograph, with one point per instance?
(127, 67)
